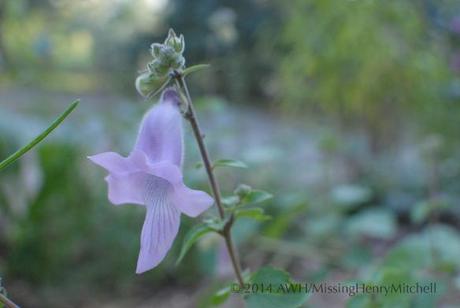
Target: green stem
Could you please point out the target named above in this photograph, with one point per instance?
(190, 115)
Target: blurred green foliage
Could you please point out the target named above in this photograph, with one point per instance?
(346, 111)
(378, 65)
(361, 56)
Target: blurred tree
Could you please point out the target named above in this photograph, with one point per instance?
(363, 60)
(229, 33)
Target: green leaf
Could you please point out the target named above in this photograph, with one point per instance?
(256, 213)
(224, 163)
(148, 84)
(385, 277)
(229, 163)
(221, 295)
(421, 211)
(437, 246)
(216, 224)
(195, 68)
(242, 190)
(13, 157)
(256, 196)
(161, 88)
(275, 289)
(283, 221)
(230, 201)
(377, 223)
(193, 236)
(351, 196)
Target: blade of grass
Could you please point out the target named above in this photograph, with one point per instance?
(13, 157)
(7, 302)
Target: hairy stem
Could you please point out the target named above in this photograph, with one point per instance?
(7, 302)
(190, 115)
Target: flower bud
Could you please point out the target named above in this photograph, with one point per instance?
(166, 53)
(242, 190)
(177, 43)
(167, 58)
(178, 62)
(166, 61)
(158, 67)
(155, 49)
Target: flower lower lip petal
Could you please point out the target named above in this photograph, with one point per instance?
(158, 232)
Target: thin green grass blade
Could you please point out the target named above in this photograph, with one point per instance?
(16, 155)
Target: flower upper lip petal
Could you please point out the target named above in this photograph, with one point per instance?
(160, 134)
(114, 163)
(166, 170)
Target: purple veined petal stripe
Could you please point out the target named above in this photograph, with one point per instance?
(161, 224)
(160, 134)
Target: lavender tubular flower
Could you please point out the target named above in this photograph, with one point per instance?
(151, 176)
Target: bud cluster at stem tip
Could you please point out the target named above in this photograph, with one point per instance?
(167, 57)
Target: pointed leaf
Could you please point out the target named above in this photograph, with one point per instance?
(256, 196)
(229, 163)
(13, 157)
(193, 236)
(221, 295)
(278, 290)
(256, 213)
(161, 88)
(199, 165)
(216, 224)
(195, 68)
(230, 201)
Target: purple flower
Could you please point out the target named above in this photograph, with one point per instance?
(151, 176)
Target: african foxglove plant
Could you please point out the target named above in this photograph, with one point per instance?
(152, 176)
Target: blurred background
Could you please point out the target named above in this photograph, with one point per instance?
(347, 111)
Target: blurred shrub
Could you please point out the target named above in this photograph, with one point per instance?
(360, 56)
